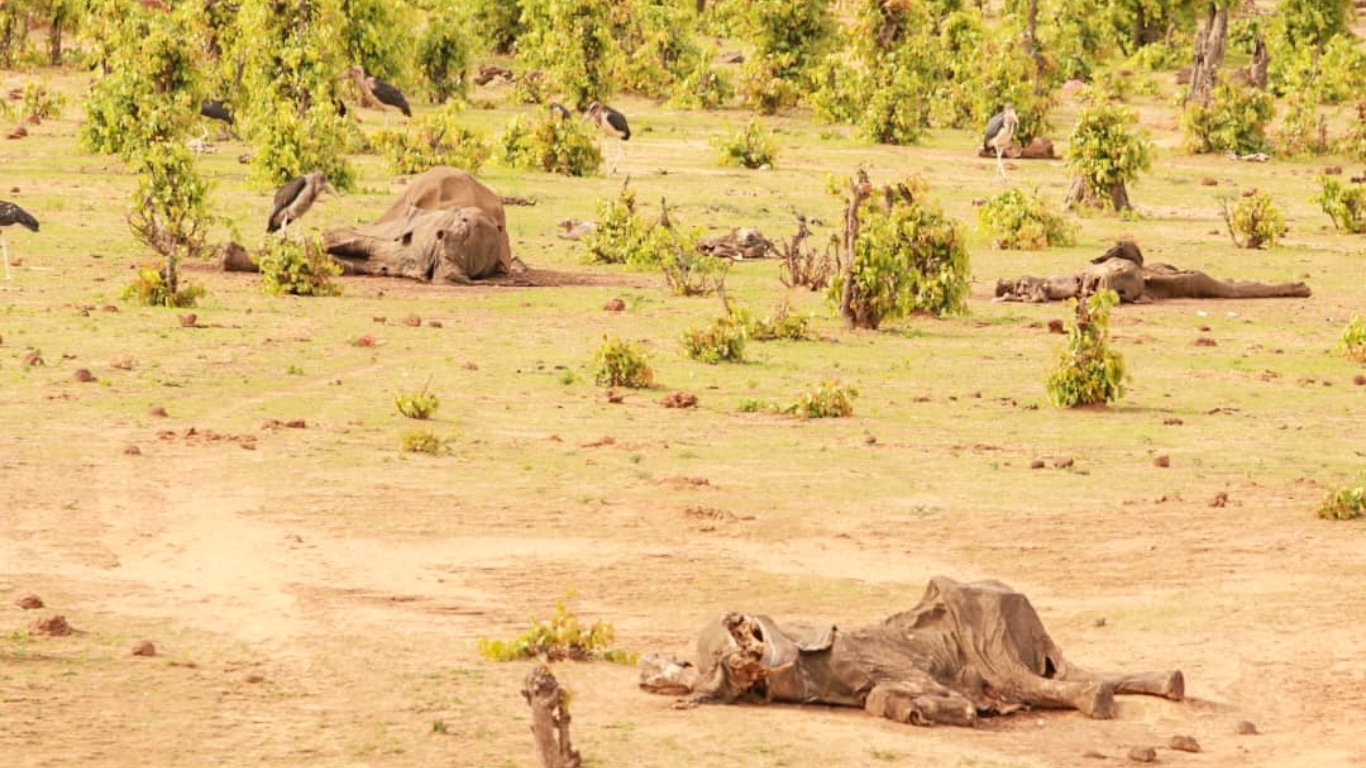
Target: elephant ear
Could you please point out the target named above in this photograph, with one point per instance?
(784, 645)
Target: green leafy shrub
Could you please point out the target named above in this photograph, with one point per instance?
(722, 341)
(686, 271)
(1254, 221)
(752, 147)
(1088, 371)
(622, 237)
(170, 209)
(436, 139)
(298, 268)
(1353, 341)
(782, 323)
(149, 289)
(660, 49)
(1018, 220)
(418, 405)
(1104, 156)
(551, 144)
(1234, 121)
(829, 400)
(424, 441)
(571, 40)
(443, 54)
(562, 637)
(620, 363)
(907, 257)
(789, 36)
(1346, 206)
(497, 22)
(40, 103)
(1345, 504)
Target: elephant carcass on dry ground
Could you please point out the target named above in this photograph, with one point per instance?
(967, 649)
(445, 227)
(1122, 270)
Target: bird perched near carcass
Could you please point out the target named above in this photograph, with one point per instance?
(11, 214)
(377, 94)
(295, 198)
(1000, 135)
(612, 123)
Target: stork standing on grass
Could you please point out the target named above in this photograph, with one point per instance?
(377, 94)
(295, 198)
(1000, 133)
(612, 123)
(13, 214)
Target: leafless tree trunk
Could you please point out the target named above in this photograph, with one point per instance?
(1209, 54)
(860, 189)
(1261, 59)
(1032, 45)
(549, 719)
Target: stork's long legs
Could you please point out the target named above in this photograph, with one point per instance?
(1000, 166)
(4, 246)
(616, 158)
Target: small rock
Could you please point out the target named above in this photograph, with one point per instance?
(870, 439)
(256, 678)
(1063, 463)
(1055, 326)
(615, 397)
(132, 450)
(157, 410)
(1359, 380)
(144, 648)
(412, 321)
(434, 324)
(679, 399)
(1172, 422)
(1163, 461)
(615, 305)
(33, 359)
(83, 375)
(1184, 744)
(1094, 755)
(52, 626)
(1220, 500)
(1245, 728)
(1098, 623)
(379, 319)
(189, 319)
(29, 602)
(296, 424)
(1037, 464)
(1209, 182)
(123, 363)
(1143, 754)
(1205, 341)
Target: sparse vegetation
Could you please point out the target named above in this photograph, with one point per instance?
(1353, 340)
(722, 341)
(620, 363)
(418, 405)
(828, 400)
(1345, 205)
(1089, 372)
(1254, 221)
(423, 441)
(298, 268)
(563, 637)
(1344, 504)
(1019, 220)
(752, 147)
(149, 289)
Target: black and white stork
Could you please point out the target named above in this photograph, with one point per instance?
(1000, 133)
(377, 94)
(12, 214)
(295, 198)
(215, 109)
(612, 123)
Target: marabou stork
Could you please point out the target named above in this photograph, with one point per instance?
(559, 111)
(295, 198)
(1000, 133)
(13, 214)
(215, 109)
(377, 94)
(612, 123)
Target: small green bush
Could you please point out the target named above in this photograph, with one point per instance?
(40, 103)
(722, 341)
(1353, 341)
(620, 363)
(752, 147)
(418, 405)
(783, 323)
(1346, 504)
(562, 637)
(829, 400)
(1104, 156)
(1088, 371)
(1018, 220)
(298, 268)
(686, 271)
(622, 237)
(1346, 206)
(1234, 121)
(436, 139)
(552, 144)
(149, 289)
(1254, 221)
(423, 441)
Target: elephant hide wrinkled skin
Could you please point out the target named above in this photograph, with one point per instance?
(967, 650)
(1122, 270)
(446, 227)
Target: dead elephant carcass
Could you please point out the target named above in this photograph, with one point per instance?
(968, 649)
(445, 227)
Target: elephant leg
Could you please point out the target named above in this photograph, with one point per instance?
(1094, 698)
(1169, 685)
(920, 705)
